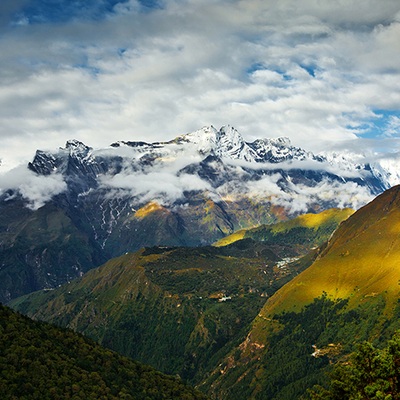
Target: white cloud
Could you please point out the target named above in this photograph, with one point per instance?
(300, 198)
(310, 70)
(164, 187)
(36, 189)
(393, 126)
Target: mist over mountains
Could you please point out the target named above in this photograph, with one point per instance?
(238, 319)
(218, 163)
(190, 191)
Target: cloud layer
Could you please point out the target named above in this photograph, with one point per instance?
(37, 190)
(322, 73)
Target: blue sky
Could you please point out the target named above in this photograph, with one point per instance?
(326, 74)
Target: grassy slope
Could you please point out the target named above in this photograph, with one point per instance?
(161, 305)
(361, 260)
(361, 264)
(312, 229)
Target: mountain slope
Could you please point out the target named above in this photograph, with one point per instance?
(361, 260)
(190, 191)
(306, 230)
(350, 293)
(38, 360)
(178, 309)
(41, 249)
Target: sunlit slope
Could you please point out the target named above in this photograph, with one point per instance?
(361, 260)
(359, 265)
(306, 229)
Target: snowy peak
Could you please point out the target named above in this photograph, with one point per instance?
(230, 144)
(207, 159)
(77, 149)
(279, 150)
(225, 143)
(44, 163)
(205, 139)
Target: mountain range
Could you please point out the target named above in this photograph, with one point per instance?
(237, 320)
(182, 309)
(70, 210)
(196, 256)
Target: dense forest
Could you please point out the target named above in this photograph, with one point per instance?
(40, 361)
(369, 373)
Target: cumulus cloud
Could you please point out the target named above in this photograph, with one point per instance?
(36, 189)
(313, 71)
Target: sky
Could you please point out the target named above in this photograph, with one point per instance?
(325, 73)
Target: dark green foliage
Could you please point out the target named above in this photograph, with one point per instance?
(161, 306)
(40, 361)
(370, 373)
(286, 369)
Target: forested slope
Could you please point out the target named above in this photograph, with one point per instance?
(40, 361)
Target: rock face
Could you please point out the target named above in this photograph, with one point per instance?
(190, 191)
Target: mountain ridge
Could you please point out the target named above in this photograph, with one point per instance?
(178, 309)
(376, 222)
(206, 184)
(349, 292)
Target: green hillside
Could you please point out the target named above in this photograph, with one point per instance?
(350, 293)
(40, 361)
(305, 231)
(178, 309)
(183, 310)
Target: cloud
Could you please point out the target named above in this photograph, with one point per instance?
(163, 181)
(393, 126)
(163, 187)
(300, 198)
(308, 70)
(336, 164)
(36, 189)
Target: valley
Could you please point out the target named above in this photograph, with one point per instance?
(242, 296)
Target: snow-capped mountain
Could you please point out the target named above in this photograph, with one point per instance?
(208, 147)
(227, 144)
(220, 164)
(92, 204)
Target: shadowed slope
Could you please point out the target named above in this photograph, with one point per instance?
(41, 361)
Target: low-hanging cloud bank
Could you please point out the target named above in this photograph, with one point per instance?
(167, 186)
(37, 190)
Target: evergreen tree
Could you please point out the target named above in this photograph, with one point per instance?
(369, 374)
